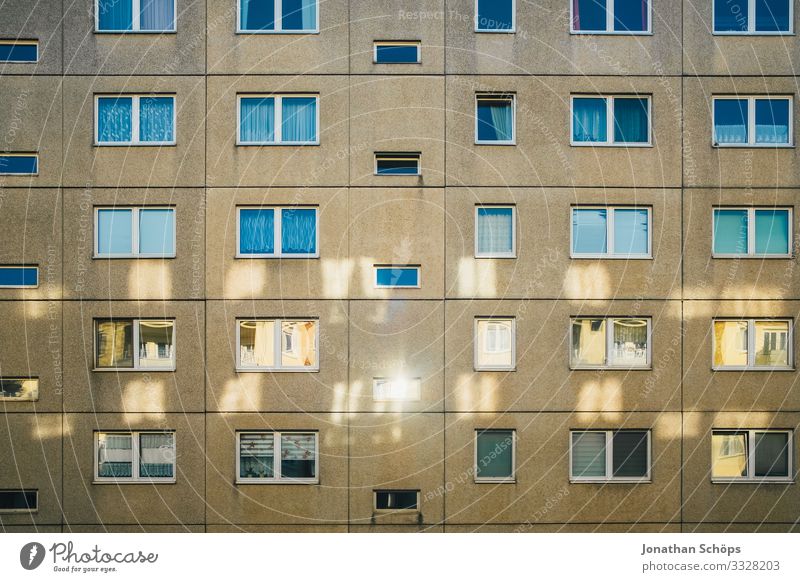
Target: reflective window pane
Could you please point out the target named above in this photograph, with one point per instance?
(772, 121)
(730, 16)
(298, 456)
(19, 389)
(114, 232)
(730, 231)
(771, 454)
(397, 53)
(589, 454)
(773, 15)
(18, 52)
(257, 344)
(772, 232)
(772, 343)
(157, 455)
(631, 232)
(629, 453)
(299, 119)
(114, 455)
(729, 452)
(630, 342)
(299, 344)
(631, 123)
(589, 120)
(494, 344)
(630, 15)
(115, 14)
(495, 119)
(397, 276)
(495, 15)
(588, 342)
(157, 15)
(730, 121)
(495, 230)
(114, 119)
(156, 119)
(257, 231)
(256, 14)
(114, 344)
(257, 455)
(156, 348)
(589, 15)
(299, 14)
(589, 234)
(730, 343)
(157, 231)
(495, 454)
(257, 119)
(299, 231)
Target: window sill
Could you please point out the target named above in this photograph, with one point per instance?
(133, 482)
(595, 144)
(754, 369)
(12, 399)
(280, 257)
(753, 146)
(275, 370)
(138, 257)
(134, 32)
(385, 175)
(496, 143)
(278, 32)
(374, 62)
(776, 481)
(759, 257)
(511, 480)
(17, 511)
(277, 482)
(17, 174)
(754, 33)
(514, 256)
(495, 31)
(613, 257)
(134, 369)
(277, 144)
(514, 369)
(610, 33)
(610, 481)
(611, 368)
(128, 144)
(395, 511)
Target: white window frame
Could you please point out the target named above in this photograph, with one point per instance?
(376, 509)
(509, 255)
(135, 242)
(277, 231)
(476, 342)
(21, 155)
(378, 43)
(417, 268)
(398, 156)
(277, 457)
(415, 392)
(511, 478)
(609, 364)
(610, 143)
(610, 212)
(135, 457)
(135, 22)
(278, 97)
(136, 333)
(4, 267)
(135, 120)
(751, 23)
(751, 344)
(14, 42)
(278, 11)
(4, 511)
(751, 121)
(511, 30)
(609, 448)
(497, 97)
(609, 31)
(751, 233)
(276, 345)
(751, 456)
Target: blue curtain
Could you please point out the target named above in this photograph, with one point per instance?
(772, 121)
(299, 123)
(114, 117)
(730, 15)
(256, 231)
(495, 119)
(588, 454)
(772, 15)
(115, 14)
(156, 119)
(630, 15)
(730, 231)
(630, 231)
(114, 234)
(589, 231)
(589, 15)
(630, 120)
(495, 14)
(589, 120)
(299, 231)
(156, 231)
(299, 15)
(495, 230)
(257, 14)
(157, 15)
(257, 119)
(772, 232)
(730, 121)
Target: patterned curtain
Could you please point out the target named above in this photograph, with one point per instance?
(114, 117)
(257, 455)
(257, 119)
(115, 455)
(299, 119)
(256, 231)
(156, 119)
(299, 231)
(157, 455)
(495, 230)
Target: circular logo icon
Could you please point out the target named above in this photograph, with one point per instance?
(31, 555)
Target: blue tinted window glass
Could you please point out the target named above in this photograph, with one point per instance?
(24, 53)
(630, 15)
(589, 231)
(299, 123)
(114, 119)
(115, 14)
(730, 121)
(299, 15)
(257, 14)
(157, 231)
(730, 232)
(495, 230)
(772, 232)
(589, 15)
(772, 15)
(630, 231)
(495, 14)
(398, 277)
(257, 119)
(589, 120)
(730, 15)
(397, 167)
(630, 120)
(494, 454)
(256, 231)
(19, 165)
(772, 121)
(19, 276)
(157, 15)
(114, 234)
(156, 119)
(298, 231)
(396, 53)
(495, 120)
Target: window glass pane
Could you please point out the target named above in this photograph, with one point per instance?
(772, 454)
(114, 455)
(157, 231)
(157, 15)
(19, 500)
(18, 52)
(256, 14)
(157, 455)
(589, 231)
(115, 14)
(772, 232)
(397, 277)
(772, 121)
(630, 120)
(630, 15)
(257, 231)
(257, 456)
(495, 14)
(495, 230)
(730, 121)
(772, 343)
(257, 119)
(494, 344)
(396, 53)
(395, 500)
(629, 452)
(19, 276)
(589, 454)
(257, 343)
(19, 164)
(155, 119)
(114, 344)
(730, 343)
(299, 122)
(392, 166)
(495, 120)
(730, 15)
(114, 118)
(299, 344)
(729, 454)
(630, 232)
(589, 15)
(298, 456)
(589, 120)
(772, 15)
(630, 342)
(156, 344)
(495, 454)
(588, 342)
(730, 232)
(299, 231)
(299, 14)
(114, 234)
(19, 388)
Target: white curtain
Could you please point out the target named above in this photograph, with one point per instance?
(157, 15)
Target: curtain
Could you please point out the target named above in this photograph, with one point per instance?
(772, 232)
(589, 231)
(730, 231)
(589, 119)
(156, 455)
(256, 231)
(299, 119)
(589, 454)
(495, 121)
(729, 455)
(630, 120)
(630, 342)
(772, 121)
(114, 234)
(730, 121)
(114, 117)
(257, 14)
(298, 231)
(495, 454)
(156, 119)
(115, 14)
(772, 15)
(629, 453)
(257, 119)
(257, 455)
(157, 15)
(257, 343)
(298, 456)
(630, 232)
(772, 454)
(114, 344)
(157, 231)
(115, 455)
(495, 230)
(630, 15)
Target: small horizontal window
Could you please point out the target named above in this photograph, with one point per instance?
(24, 389)
(610, 342)
(142, 120)
(752, 121)
(396, 389)
(752, 455)
(278, 345)
(277, 457)
(610, 455)
(752, 232)
(397, 276)
(741, 344)
(14, 277)
(278, 16)
(610, 16)
(134, 344)
(397, 500)
(278, 119)
(495, 232)
(397, 164)
(146, 456)
(135, 15)
(19, 500)
(396, 52)
(762, 17)
(495, 451)
(143, 232)
(611, 120)
(495, 15)
(611, 232)
(271, 232)
(494, 119)
(19, 51)
(19, 164)
(495, 343)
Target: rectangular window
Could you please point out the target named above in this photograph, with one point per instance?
(25, 389)
(297, 454)
(19, 164)
(610, 120)
(279, 345)
(609, 455)
(610, 342)
(397, 164)
(742, 344)
(752, 455)
(757, 17)
(611, 232)
(135, 15)
(495, 15)
(396, 389)
(753, 121)
(144, 120)
(397, 500)
(752, 232)
(137, 232)
(495, 232)
(278, 16)
(134, 344)
(19, 51)
(278, 119)
(19, 500)
(494, 119)
(147, 456)
(273, 232)
(397, 277)
(495, 343)
(396, 52)
(610, 16)
(495, 455)
(18, 276)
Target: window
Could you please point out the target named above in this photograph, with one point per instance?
(19, 164)
(19, 51)
(396, 52)
(272, 232)
(741, 344)
(611, 121)
(752, 455)
(396, 389)
(298, 454)
(19, 500)
(494, 119)
(495, 455)
(135, 456)
(610, 342)
(278, 16)
(752, 121)
(144, 120)
(139, 232)
(278, 119)
(397, 164)
(280, 345)
(134, 344)
(397, 500)
(135, 16)
(610, 16)
(495, 339)
(752, 232)
(495, 15)
(18, 276)
(611, 232)
(26, 389)
(753, 17)
(609, 455)
(495, 232)
(397, 276)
